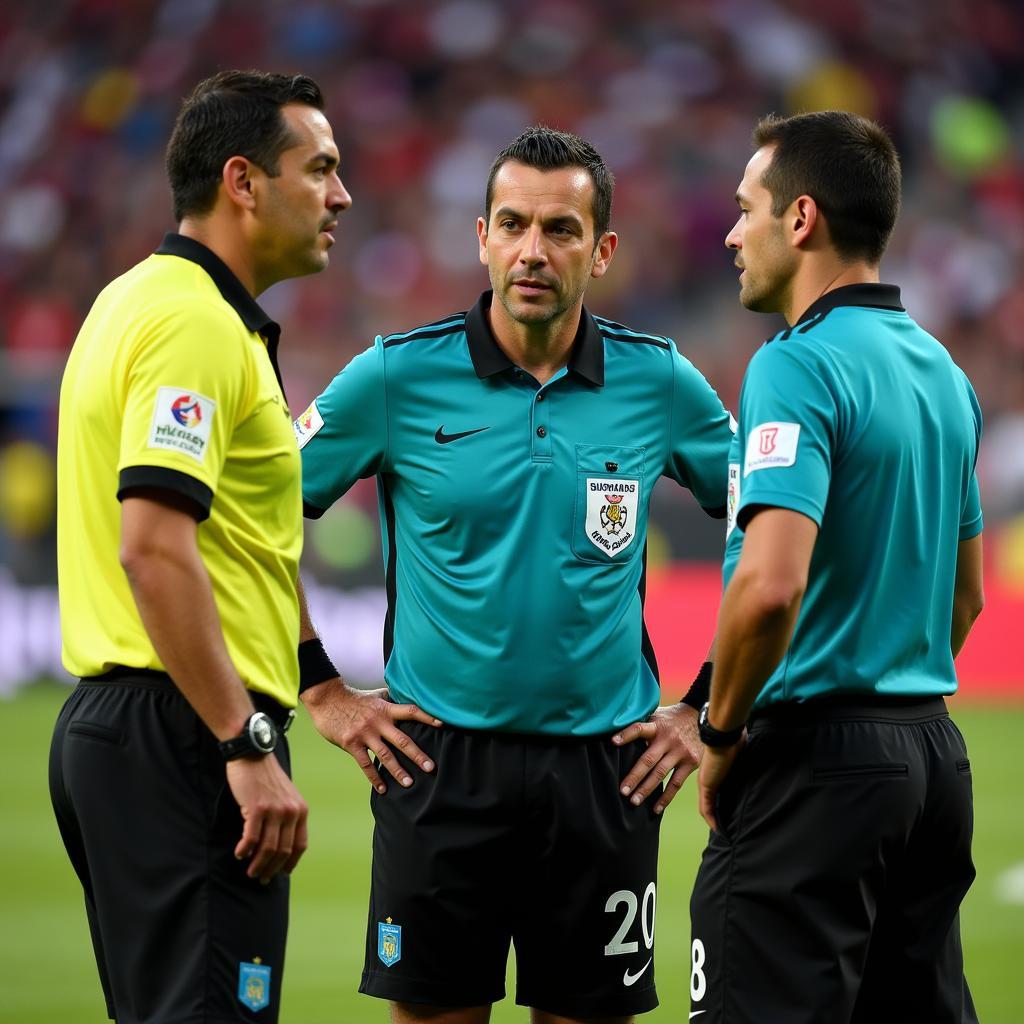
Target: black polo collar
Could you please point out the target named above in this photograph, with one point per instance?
(586, 357)
(231, 289)
(876, 296)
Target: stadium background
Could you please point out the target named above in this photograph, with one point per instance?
(421, 96)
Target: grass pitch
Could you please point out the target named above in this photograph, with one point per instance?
(46, 967)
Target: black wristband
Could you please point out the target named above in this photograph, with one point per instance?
(314, 665)
(700, 690)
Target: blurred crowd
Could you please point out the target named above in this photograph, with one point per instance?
(422, 94)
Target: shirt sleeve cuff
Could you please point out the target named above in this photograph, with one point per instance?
(769, 500)
(715, 513)
(160, 478)
(971, 529)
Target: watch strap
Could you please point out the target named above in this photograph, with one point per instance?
(712, 737)
(246, 744)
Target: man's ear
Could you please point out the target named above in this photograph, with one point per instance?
(237, 178)
(603, 253)
(802, 216)
(481, 235)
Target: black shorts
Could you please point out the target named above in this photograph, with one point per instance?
(831, 893)
(139, 789)
(521, 839)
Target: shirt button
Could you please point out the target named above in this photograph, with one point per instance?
(542, 432)
(540, 397)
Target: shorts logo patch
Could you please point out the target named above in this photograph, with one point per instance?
(611, 513)
(182, 421)
(254, 984)
(732, 501)
(771, 446)
(389, 942)
(308, 424)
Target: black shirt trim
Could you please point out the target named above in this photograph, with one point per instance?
(231, 289)
(161, 478)
(878, 296)
(311, 511)
(586, 357)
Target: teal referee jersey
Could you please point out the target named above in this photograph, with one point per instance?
(860, 420)
(514, 515)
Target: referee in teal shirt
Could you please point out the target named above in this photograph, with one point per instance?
(515, 448)
(841, 815)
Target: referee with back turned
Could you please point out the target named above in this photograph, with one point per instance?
(841, 817)
(179, 531)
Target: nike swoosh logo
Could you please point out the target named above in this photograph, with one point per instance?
(442, 438)
(631, 979)
(696, 1013)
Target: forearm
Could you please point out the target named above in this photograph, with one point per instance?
(964, 617)
(968, 591)
(174, 596)
(753, 634)
(307, 631)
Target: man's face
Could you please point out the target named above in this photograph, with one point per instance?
(299, 208)
(539, 246)
(759, 240)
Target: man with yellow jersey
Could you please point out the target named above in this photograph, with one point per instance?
(179, 532)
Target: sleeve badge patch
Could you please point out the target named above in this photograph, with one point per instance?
(182, 421)
(733, 498)
(308, 424)
(771, 446)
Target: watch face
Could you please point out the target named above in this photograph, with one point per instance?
(262, 731)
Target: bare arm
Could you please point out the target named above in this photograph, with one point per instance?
(755, 625)
(968, 591)
(360, 721)
(160, 555)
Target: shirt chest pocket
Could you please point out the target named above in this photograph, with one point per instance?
(610, 514)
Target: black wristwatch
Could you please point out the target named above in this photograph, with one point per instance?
(712, 737)
(257, 739)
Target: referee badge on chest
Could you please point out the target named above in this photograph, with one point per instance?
(611, 513)
(389, 942)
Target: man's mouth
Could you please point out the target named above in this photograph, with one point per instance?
(531, 286)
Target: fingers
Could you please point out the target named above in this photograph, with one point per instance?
(680, 774)
(706, 805)
(645, 764)
(669, 754)
(283, 840)
(301, 843)
(266, 852)
(634, 732)
(411, 713)
(652, 778)
(391, 764)
(406, 746)
(274, 817)
(366, 765)
(252, 826)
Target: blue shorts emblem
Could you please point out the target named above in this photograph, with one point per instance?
(254, 985)
(389, 942)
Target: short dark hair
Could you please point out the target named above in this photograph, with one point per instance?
(548, 149)
(233, 113)
(847, 164)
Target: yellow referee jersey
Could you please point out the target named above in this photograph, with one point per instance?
(173, 383)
